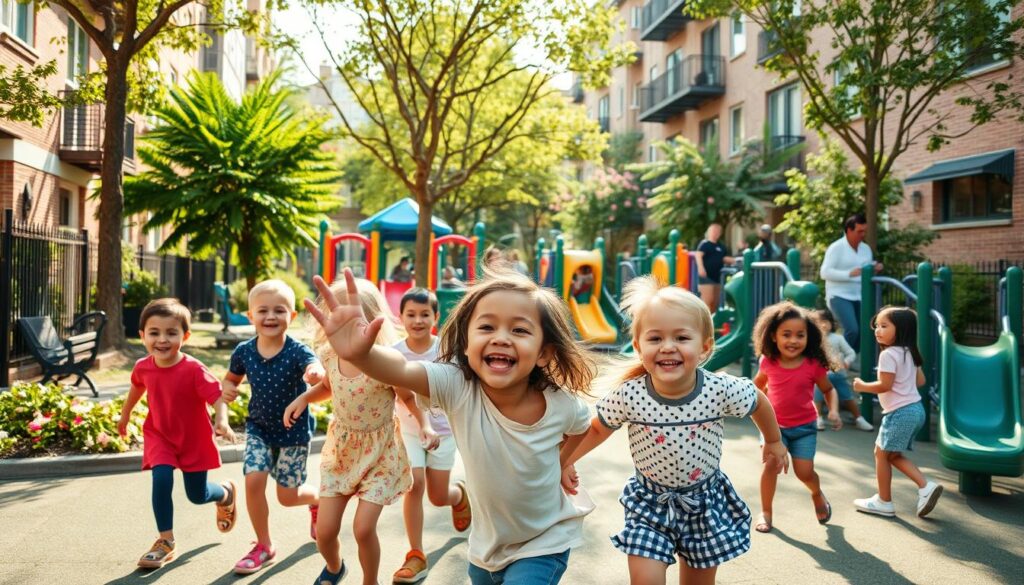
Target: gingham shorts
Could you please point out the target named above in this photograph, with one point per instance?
(705, 525)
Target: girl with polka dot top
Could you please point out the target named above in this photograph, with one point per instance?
(678, 503)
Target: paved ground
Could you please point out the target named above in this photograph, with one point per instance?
(92, 529)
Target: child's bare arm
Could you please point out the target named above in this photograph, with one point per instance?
(884, 384)
(920, 377)
(317, 393)
(832, 398)
(761, 380)
(764, 418)
(134, 395)
(427, 434)
(229, 386)
(220, 420)
(576, 446)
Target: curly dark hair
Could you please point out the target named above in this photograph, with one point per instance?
(768, 323)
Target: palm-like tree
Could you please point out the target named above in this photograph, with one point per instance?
(250, 176)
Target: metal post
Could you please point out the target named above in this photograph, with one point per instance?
(925, 332)
(7, 244)
(641, 251)
(673, 243)
(747, 294)
(946, 304)
(867, 340)
(538, 256)
(85, 272)
(322, 260)
(1014, 308)
(559, 265)
(479, 231)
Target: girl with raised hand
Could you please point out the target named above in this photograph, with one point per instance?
(679, 503)
(510, 380)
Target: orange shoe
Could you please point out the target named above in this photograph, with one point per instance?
(462, 513)
(413, 569)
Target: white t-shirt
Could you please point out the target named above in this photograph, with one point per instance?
(898, 361)
(842, 349)
(512, 470)
(407, 421)
(840, 259)
(677, 442)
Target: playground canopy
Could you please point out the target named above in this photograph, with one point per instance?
(397, 222)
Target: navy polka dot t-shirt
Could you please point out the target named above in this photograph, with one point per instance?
(275, 382)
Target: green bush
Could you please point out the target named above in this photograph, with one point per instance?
(239, 409)
(238, 291)
(971, 299)
(44, 417)
(144, 287)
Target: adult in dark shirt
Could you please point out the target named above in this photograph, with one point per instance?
(712, 255)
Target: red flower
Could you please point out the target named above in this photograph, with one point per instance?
(695, 474)
(660, 439)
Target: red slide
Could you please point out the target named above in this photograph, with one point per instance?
(393, 292)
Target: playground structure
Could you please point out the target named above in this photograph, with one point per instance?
(977, 389)
(226, 337)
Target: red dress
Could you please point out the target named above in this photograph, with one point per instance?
(178, 430)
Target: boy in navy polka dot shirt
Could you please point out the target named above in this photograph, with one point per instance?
(278, 368)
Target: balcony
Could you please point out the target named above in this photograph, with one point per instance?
(577, 91)
(767, 46)
(81, 138)
(794, 161)
(661, 19)
(685, 86)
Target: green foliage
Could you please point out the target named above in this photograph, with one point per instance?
(142, 288)
(249, 175)
(37, 417)
(819, 206)
(238, 291)
(239, 410)
(609, 204)
(972, 295)
(623, 149)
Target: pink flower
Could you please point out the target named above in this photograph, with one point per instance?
(36, 439)
(103, 438)
(611, 218)
(615, 207)
(695, 474)
(78, 420)
(711, 200)
(628, 203)
(679, 195)
(641, 202)
(34, 426)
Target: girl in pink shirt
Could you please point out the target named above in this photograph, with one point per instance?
(793, 361)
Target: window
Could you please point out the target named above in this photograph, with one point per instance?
(785, 124)
(982, 57)
(635, 17)
(78, 52)
(152, 236)
(985, 196)
(736, 133)
(672, 70)
(637, 90)
(622, 101)
(603, 107)
(738, 38)
(653, 73)
(842, 70)
(19, 19)
(64, 207)
(652, 153)
(709, 133)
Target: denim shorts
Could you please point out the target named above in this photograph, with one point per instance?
(840, 383)
(542, 570)
(287, 464)
(899, 428)
(801, 441)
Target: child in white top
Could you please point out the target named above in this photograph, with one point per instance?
(679, 503)
(510, 381)
(899, 376)
(844, 354)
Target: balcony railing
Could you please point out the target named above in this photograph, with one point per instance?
(661, 19)
(767, 46)
(577, 91)
(684, 86)
(81, 137)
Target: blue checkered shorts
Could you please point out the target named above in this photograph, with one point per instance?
(705, 525)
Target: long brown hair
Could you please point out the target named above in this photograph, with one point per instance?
(768, 323)
(572, 366)
(904, 321)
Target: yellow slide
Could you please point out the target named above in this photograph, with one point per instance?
(590, 320)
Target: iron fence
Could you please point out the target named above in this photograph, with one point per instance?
(188, 280)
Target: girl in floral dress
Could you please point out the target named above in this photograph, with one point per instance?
(363, 455)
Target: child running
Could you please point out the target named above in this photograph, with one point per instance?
(177, 431)
(275, 365)
(899, 376)
(510, 377)
(427, 437)
(842, 351)
(679, 502)
(363, 456)
(793, 361)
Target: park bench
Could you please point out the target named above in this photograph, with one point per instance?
(60, 358)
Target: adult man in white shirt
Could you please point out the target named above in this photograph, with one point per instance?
(841, 271)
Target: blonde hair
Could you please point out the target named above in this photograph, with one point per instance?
(275, 286)
(572, 366)
(638, 296)
(374, 304)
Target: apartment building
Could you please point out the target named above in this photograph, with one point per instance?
(702, 78)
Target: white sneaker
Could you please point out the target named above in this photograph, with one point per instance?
(821, 424)
(875, 505)
(927, 497)
(862, 424)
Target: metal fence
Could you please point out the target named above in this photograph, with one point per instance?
(43, 271)
(188, 280)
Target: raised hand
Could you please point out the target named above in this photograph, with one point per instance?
(347, 329)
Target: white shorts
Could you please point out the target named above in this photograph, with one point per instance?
(442, 458)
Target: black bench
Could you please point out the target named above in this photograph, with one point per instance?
(61, 358)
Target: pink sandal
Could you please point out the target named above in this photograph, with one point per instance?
(259, 557)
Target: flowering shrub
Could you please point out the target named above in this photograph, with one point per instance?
(37, 417)
(609, 204)
(239, 409)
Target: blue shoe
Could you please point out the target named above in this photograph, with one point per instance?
(328, 578)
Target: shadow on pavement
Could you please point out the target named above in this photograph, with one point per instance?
(144, 576)
(854, 566)
(275, 570)
(27, 490)
(969, 546)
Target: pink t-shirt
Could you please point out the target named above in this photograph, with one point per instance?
(177, 430)
(791, 390)
(898, 361)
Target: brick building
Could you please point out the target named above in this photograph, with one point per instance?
(701, 78)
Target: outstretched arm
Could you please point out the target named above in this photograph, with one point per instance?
(352, 337)
(764, 418)
(576, 446)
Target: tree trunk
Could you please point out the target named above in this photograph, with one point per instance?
(872, 185)
(111, 210)
(424, 228)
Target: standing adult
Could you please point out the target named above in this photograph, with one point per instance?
(766, 249)
(712, 255)
(841, 270)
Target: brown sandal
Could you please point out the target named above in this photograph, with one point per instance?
(413, 570)
(226, 512)
(159, 554)
(462, 514)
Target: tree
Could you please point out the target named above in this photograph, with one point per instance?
(887, 62)
(458, 79)
(821, 204)
(249, 175)
(698, 187)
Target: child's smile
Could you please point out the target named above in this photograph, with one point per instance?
(671, 347)
(163, 338)
(270, 314)
(791, 338)
(505, 340)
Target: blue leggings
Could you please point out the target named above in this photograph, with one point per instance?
(198, 490)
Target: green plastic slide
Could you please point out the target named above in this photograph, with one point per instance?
(980, 428)
(730, 347)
